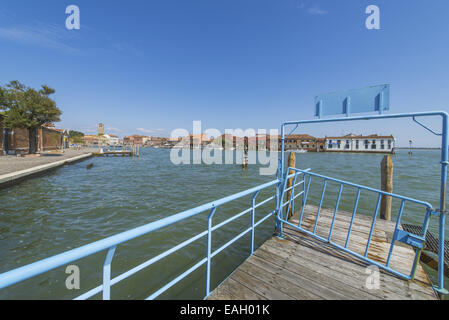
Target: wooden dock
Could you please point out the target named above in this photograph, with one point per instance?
(114, 154)
(304, 268)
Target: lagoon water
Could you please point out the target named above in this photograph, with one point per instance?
(73, 206)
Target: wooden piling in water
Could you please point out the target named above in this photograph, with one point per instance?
(291, 164)
(245, 154)
(387, 186)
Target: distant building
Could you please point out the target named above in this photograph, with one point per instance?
(135, 140)
(320, 144)
(358, 143)
(157, 142)
(93, 140)
(112, 139)
(198, 140)
(300, 142)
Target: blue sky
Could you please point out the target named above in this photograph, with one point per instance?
(148, 67)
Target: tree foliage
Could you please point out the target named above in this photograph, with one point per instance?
(75, 134)
(25, 107)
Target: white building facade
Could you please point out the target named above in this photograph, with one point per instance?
(353, 143)
(111, 139)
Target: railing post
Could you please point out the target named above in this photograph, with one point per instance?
(354, 211)
(372, 225)
(291, 164)
(280, 215)
(387, 186)
(441, 239)
(107, 274)
(253, 211)
(319, 207)
(305, 195)
(209, 246)
(444, 165)
(291, 207)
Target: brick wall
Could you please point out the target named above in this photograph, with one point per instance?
(18, 139)
(51, 139)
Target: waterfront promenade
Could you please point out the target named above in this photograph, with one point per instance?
(14, 168)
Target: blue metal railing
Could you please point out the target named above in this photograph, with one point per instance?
(441, 212)
(110, 244)
(416, 241)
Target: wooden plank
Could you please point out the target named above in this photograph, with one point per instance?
(260, 287)
(266, 260)
(310, 247)
(401, 259)
(238, 291)
(302, 267)
(221, 293)
(348, 286)
(353, 274)
(330, 288)
(272, 277)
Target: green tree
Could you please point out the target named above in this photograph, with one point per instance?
(25, 107)
(75, 134)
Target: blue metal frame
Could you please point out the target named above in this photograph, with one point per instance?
(416, 241)
(110, 244)
(444, 165)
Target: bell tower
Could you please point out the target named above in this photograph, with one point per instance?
(100, 129)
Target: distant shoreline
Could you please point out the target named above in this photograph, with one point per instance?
(419, 148)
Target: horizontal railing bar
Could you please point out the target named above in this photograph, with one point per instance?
(196, 266)
(369, 117)
(142, 266)
(285, 204)
(428, 205)
(153, 260)
(296, 196)
(265, 201)
(290, 188)
(299, 194)
(221, 224)
(39, 267)
(176, 280)
(230, 242)
(265, 218)
(241, 235)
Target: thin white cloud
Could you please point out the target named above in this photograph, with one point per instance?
(150, 130)
(311, 8)
(145, 130)
(49, 36)
(113, 129)
(317, 11)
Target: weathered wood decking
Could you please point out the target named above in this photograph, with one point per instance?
(302, 267)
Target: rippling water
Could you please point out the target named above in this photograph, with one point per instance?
(73, 206)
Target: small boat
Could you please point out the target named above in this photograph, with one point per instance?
(299, 151)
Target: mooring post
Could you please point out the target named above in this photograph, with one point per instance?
(386, 168)
(291, 164)
(245, 154)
